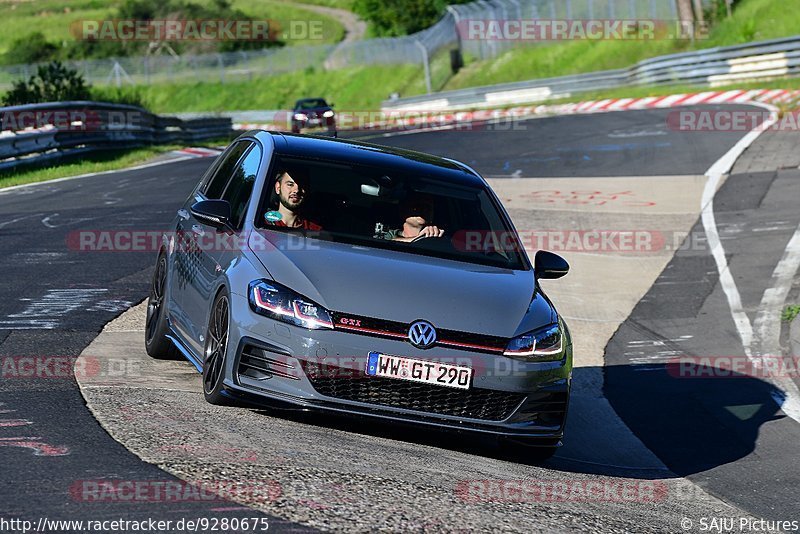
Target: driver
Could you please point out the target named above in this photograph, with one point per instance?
(417, 215)
(291, 188)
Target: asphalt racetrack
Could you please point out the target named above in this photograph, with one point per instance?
(689, 448)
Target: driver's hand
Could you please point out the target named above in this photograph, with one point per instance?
(431, 231)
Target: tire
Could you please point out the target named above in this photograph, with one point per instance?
(215, 351)
(156, 328)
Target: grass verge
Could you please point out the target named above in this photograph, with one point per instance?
(55, 18)
(753, 20)
(360, 88)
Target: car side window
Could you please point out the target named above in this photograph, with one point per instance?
(238, 191)
(216, 184)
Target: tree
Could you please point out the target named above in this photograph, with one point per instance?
(401, 17)
(53, 82)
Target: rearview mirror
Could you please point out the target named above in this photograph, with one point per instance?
(214, 213)
(549, 265)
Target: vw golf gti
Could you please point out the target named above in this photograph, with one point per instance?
(331, 275)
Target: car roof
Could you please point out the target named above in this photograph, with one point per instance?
(318, 99)
(368, 154)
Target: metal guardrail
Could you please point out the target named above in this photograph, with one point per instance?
(39, 133)
(713, 67)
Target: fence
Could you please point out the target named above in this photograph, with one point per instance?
(38, 133)
(417, 48)
(713, 67)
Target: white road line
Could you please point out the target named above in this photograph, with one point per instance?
(718, 253)
(768, 319)
(47, 223)
(774, 297)
(12, 221)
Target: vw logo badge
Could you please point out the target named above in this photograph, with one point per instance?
(422, 334)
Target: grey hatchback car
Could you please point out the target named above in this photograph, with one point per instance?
(323, 274)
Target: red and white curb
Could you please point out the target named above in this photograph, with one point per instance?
(199, 152)
(409, 120)
(764, 96)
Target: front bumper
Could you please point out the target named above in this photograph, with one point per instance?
(279, 365)
(319, 123)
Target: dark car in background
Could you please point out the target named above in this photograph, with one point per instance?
(313, 113)
(448, 330)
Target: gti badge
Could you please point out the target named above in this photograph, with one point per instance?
(422, 334)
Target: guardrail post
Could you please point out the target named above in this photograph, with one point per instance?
(425, 65)
(456, 21)
(698, 10)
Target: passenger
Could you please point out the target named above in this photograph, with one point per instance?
(291, 188)
(417, 215)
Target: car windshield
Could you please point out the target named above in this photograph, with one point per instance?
(310, 103)
(380, 208)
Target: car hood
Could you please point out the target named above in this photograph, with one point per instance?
(403, 287)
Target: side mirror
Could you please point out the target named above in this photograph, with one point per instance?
(214, 213)
(331, 104)
(549, 266)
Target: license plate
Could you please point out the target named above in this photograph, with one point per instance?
(314, 122)
(440, 374)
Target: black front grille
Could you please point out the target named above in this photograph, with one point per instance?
(354, 385)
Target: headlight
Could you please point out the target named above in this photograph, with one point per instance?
(328, 113)
(283, 304)
(300, 116)
(542, 345)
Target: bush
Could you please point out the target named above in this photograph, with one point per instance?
(31, 49)
(53, 82)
